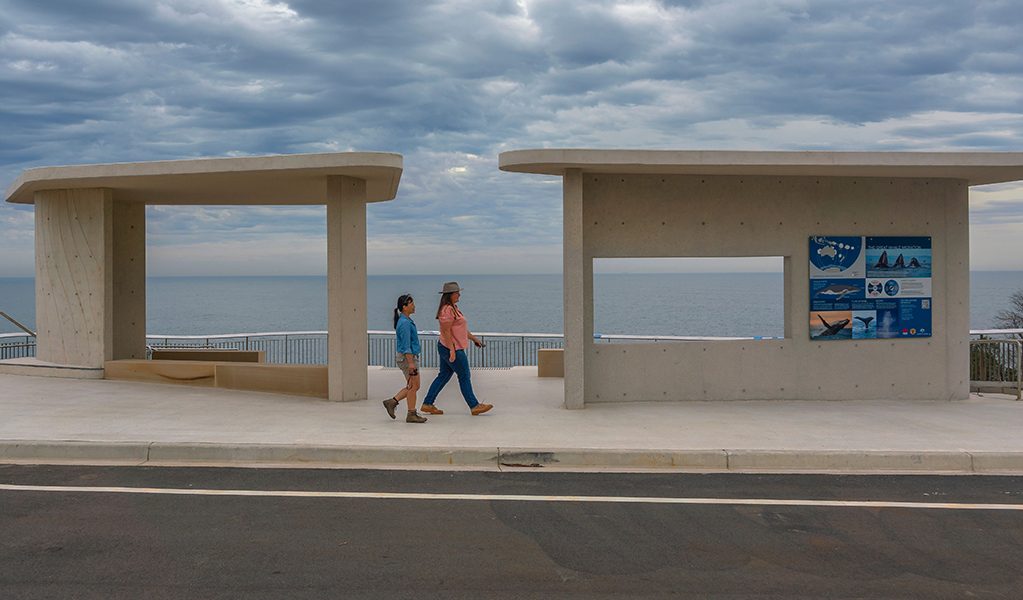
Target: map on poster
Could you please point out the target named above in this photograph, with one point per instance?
(870, 287)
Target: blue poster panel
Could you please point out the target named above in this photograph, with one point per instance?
(870, 287)
(836, 257)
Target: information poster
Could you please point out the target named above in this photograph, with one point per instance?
(870, 287)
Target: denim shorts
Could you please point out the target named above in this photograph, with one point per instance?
(402, 362)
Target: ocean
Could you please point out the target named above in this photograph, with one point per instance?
(701, 304)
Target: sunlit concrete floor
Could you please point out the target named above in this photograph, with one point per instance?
(51, 419)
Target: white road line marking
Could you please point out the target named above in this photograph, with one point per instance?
(507, 497)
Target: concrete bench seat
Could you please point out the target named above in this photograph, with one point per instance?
(215, 354)
(295, 380)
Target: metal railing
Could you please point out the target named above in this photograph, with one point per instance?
(299, 347)
(17, 345)
(500, 350)
(997, 366)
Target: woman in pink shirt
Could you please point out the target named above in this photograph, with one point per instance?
(454, 340)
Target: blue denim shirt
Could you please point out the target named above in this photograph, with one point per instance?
(408, 336)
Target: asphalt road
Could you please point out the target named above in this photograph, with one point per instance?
(109, 544)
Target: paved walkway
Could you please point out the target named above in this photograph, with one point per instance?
(98, 421)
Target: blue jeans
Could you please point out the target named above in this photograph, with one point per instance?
(447, 368)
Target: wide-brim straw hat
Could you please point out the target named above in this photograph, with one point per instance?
(450, 288)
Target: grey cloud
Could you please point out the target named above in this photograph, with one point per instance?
(104, 80)
(997, 213)
(988, 142)
(689, 4)
(585, 34)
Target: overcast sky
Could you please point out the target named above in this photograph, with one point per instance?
(451, 84)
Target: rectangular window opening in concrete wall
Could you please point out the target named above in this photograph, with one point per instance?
(726, 297)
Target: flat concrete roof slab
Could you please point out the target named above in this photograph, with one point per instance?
(251, 180)
(976, 168)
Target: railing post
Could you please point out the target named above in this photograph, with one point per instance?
(1019, 370)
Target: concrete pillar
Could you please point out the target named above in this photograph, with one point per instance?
(74, 276)
(346, 289)
(957, 288)
(129, 280)
(578, 282)
(90, 277)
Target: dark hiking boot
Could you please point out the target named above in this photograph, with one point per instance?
(414, 417)
(390, 404)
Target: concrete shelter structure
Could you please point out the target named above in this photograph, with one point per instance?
(651, 203)
(91, 245)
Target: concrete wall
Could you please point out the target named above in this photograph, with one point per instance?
(90, 277)
(684, 215)
(73, 283)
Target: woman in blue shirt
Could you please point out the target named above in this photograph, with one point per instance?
(407, 359)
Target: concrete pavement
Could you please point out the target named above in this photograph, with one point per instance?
(99, 421)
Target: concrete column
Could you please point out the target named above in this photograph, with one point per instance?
(346, 289)
(578, 278)
(791, 316)
(957, 288)
(74, 276)
(129, 280)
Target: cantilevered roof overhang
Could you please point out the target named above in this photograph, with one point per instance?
(251, 180)
(976, 168)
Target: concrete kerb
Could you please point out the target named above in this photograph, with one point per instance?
(857, 461)
(297, 455)
(74, 451)
(596, 458)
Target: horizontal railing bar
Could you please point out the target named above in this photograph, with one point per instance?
(15, 335)
(693, 338)
(429, 332)
(221, 336)
(487, 333)
(529, 335)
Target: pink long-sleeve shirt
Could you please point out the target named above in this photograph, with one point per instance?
(459, 328)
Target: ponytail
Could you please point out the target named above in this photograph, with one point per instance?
(403, 301)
